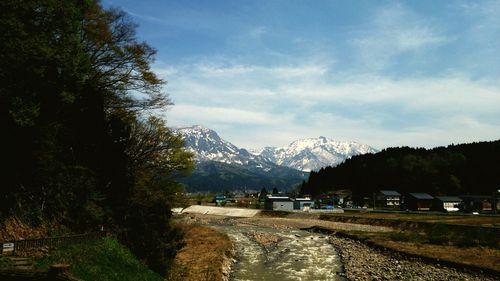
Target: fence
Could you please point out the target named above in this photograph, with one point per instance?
(21, 245)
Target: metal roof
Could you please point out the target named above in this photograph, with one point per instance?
(419, 195)
(390, 192)
(449, 198)
(279, 198)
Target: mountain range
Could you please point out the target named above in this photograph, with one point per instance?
(314, 153)
(223, 166)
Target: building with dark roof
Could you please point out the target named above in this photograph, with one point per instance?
(388, 199)
(479, 203)
(418, 201)
(447, 203)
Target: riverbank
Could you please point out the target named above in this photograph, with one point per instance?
(362, 262)
(471, 243)
(369, 252)
(207, 254)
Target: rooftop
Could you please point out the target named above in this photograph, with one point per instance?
(449, 198)
(390, 192)
(421, 195)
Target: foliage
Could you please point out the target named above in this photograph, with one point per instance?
(217, 177)
(103, 259)
(453, 170)
(76, 94)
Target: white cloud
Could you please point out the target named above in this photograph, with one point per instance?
(254, 106)
(224, 115)
(258, 31)
(393, 31)
(287, 72)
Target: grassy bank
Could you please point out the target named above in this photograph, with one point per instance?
(204, 255)
(104, 260)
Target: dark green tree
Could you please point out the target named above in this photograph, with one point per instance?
(76, 93)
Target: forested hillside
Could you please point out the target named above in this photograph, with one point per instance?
(457, 169)
(79, 145)
(218, 176)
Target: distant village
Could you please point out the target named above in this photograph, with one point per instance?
(382, 200)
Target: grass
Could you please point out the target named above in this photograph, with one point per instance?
(104, 260)
(203, 255)
(452, 218)
(417, 243)
(5, 262)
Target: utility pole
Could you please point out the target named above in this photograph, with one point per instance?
(495, 194)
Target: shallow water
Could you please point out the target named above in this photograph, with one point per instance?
(299, 255)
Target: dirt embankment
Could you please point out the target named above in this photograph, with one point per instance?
(207, 254)
(14, 229)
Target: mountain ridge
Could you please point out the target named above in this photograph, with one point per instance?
(223, 166)
(312, 154)
(303, 154)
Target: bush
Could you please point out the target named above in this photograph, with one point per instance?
(104, 260)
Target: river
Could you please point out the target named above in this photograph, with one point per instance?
(294, 254)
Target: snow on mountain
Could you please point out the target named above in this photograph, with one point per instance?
(304, 155)
(208, 146)
(223, 166)
(314, 153)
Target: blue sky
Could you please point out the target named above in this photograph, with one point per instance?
(383, 73)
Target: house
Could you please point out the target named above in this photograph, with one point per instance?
(388, 199)
(303, 204)
(279, 203)
(472, 203)
(220, 199)
(447, 203)
(419, 201)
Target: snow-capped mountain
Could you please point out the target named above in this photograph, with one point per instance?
(208, 146)
(303, 155)
(314, 153)
(223, 166)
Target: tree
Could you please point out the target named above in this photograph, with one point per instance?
(263, 194)
(76, 93)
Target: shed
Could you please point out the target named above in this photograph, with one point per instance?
(279, 203)
(418, 201)
(304, 204)
(447, 203)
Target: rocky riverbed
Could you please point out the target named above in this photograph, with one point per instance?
(270, 248)
(362, 262)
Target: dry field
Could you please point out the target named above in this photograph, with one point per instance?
(486, 220)
(204, 255)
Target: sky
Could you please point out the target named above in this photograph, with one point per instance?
(383, 73)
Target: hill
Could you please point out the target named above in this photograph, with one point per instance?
(453, 170)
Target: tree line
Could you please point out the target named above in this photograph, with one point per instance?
(454, 170)
(81, 146)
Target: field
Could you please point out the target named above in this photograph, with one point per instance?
(469, 219)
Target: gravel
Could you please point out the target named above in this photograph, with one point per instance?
(364, 263)
(360, 262)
